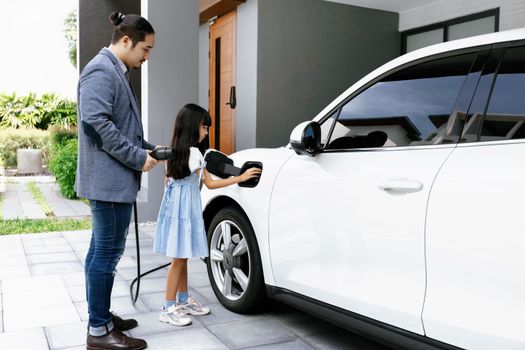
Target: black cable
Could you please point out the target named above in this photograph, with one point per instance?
(139, 275)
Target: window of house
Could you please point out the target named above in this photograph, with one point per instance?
(505, 116)
(409, 107)
(463, 27)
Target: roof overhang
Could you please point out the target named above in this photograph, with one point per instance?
(212, 8)
(387, 5)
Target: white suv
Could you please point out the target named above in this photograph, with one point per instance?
(399, 211)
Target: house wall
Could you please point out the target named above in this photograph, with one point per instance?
(512, 12)
(170, 80)
(310, 51)
(94, 30)
(246, 110)
(204, 69)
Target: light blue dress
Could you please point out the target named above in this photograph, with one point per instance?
(180, 231)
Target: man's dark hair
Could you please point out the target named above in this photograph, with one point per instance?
(133, 26)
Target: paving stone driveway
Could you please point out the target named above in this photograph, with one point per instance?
(42, 303)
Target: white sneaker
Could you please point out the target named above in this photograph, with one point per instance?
(191, 306)
(175, 315)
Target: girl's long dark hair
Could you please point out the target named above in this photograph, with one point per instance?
(186, 135)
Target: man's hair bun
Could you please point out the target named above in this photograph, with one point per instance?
(116, 18)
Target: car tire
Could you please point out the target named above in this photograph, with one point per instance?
(234, 264)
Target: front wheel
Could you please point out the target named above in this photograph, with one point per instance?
(234, 265)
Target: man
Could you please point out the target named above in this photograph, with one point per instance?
(112, 153)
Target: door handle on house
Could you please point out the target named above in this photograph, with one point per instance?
(401, 185)
(233, 98)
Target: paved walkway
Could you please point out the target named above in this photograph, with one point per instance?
(43, 306)
(18, 201)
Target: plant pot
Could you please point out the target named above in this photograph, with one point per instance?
(29, 161)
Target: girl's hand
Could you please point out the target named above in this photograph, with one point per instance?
(249, 174)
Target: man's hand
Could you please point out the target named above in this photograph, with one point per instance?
(150, 163)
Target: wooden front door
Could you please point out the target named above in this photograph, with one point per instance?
(222, 83)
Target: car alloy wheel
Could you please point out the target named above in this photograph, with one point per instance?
(234, 265)
(230, 260)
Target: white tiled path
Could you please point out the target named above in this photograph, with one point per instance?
(42, 303)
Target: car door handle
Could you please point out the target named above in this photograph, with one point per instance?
(401, 185)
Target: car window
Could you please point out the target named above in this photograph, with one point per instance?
(409, 107)
(505, 116)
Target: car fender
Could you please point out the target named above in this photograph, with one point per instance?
(254, 202)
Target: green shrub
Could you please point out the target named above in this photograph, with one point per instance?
(13, 139)
(63, 165)
(33, 112)
(60, 135)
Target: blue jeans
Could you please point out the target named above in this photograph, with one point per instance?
(110, 228)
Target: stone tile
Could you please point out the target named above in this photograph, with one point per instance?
(48, 304)
(14, 271)
(74, 278)
(77, 293)
(40, 235)
(66, 335)
(126, 262)
(12, 210)
(32, 284)
(293, 345)
(80, 246)
(51, 258)
(11, 245)
(80, 208)
(145, 250)
(61, 209)
(149, 324)
(120, 305)
(220, 315)
(150, 260)
(130, 273)
(18, 297)
(34, 339)
(152, 285)
(153, 301)
(238, 335)
(191, 338)
(1, 310)
(32, 210)
(201, 298)
(299, 322)
(12, 260)
(342, 339)
(197, 280)
(77, 236)
(120, 289)
(45, 249)
(196, 267)
(55, 268)
(207, 293)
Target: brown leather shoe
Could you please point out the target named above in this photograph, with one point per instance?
(115, 340)
(122, 324)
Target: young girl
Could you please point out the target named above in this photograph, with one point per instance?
(180, 231)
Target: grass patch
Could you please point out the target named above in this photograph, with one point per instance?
(39, 198)
(43, 225)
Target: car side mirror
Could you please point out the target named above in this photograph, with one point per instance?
(306, 138)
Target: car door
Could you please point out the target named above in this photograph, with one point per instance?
(475, 227)
(347, 226)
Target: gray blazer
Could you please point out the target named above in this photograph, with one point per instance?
(111, 145)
